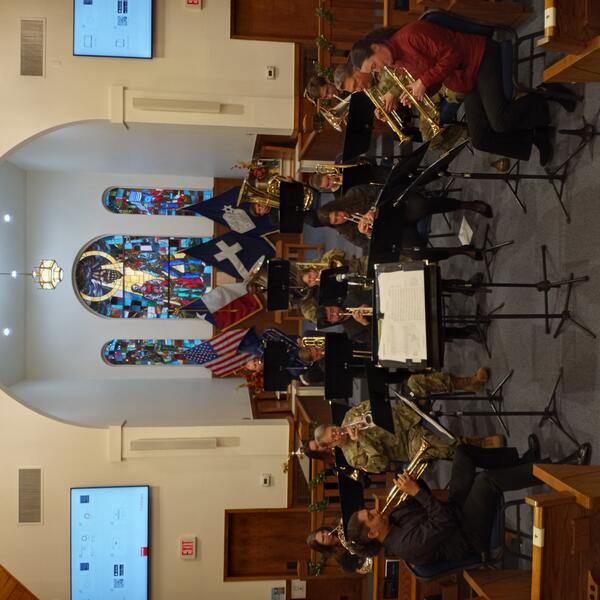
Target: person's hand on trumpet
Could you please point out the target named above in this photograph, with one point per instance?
(390, 102)
(365, 225)
(417, 89)
(360, 315)
(406, 483)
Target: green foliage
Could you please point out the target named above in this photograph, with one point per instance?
(318, 478)
(323, 41)
(324, 71)
(324, 14)
(315, 568)
(318, 506)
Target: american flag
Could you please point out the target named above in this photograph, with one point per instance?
(219, 354)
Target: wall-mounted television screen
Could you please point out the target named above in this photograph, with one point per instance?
(109, 543)
(117, 28)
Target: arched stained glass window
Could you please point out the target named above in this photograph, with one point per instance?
(122, 276)
(148, 352)
(152, 201)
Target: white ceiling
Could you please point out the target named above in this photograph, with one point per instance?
(101, 146)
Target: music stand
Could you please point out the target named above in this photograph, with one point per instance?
(275, 360)
(338, 366)
(351, 498)
(357, 138)
(381, 409)
(278, 284)
(291, 207)
(331, 291)
(358, 175)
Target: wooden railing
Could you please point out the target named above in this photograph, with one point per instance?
(12, 589)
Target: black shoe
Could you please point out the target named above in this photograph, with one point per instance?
(581, 456)
(542, 140)
(567, 98)
(533, 451)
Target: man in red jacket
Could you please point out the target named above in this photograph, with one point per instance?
(466, 64)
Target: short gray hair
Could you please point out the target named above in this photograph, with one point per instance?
(341, 73)
(320, 431)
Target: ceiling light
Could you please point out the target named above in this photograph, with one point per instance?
(13, 274)
(6, 331)
(7, 218)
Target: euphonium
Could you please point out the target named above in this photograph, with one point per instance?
(392, 118)
(269, 196)
(415, 468)
(426, 107)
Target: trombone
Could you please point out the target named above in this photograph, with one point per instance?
(426, 107)
(415, 468)
(392, 118)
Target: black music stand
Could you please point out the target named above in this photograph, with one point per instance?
(357, 175)
(351, 498)
(339, 366)
(275, 359)
(278, 284)
(331, 291)
(359, 127)
(381, 409)
(291, 207)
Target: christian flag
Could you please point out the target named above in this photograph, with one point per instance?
(224, 209)
(226, 305)
(219, 354)
(233, 253)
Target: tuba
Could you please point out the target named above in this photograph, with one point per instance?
(268, 194)
(426, 106)
(392, 118)
(416, 468)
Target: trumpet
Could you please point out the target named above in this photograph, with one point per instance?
(426, 107)
(365, 421)
(392, 118)
(415, 468)
(318, 341)
(357, 218)
(349, 312)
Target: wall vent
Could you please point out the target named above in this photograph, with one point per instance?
(32, 47)
(173, 444)
(30, 496)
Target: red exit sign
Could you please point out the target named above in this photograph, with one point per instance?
(187, 548)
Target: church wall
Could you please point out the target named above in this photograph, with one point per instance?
(12, 257)
(189, 495)
(195, 59)
(65, 375)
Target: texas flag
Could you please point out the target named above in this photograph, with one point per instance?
(233, 253)
(226, 305)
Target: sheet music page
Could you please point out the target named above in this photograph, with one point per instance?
(403, 334)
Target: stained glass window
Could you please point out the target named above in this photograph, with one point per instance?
(122, 276)
(152, 201)
(147, 352)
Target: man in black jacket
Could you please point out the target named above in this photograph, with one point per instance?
(423, 530)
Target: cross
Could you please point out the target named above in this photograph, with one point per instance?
(230, 253)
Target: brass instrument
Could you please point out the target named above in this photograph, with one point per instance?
(415, 468)
(336, 116)
(332, 169)
(364, 422)
(318, 341)
(338, 531)
(357, 218)
(368, 310)
(319, 265)
(426, 107)
(392, 118)
(269, 196)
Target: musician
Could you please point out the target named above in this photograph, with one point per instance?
(326, 541)
(336, 258)
(468, 64)
(360, 200)
(357, 326)
(348, 78)
(423, 530)
(320, 88)
(375, 449)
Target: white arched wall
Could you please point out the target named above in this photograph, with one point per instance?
(195, 59)
(189, 494)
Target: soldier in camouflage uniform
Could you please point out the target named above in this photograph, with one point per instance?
(350, 80)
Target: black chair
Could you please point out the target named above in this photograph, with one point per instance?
(510, 46)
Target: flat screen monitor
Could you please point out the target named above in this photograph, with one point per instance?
(109, 543)
(117, 28)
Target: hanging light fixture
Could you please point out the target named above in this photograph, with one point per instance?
(47, 275)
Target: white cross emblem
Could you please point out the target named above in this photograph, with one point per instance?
(230, 253)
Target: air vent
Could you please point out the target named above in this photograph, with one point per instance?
(173, 444)
(32, 47)
(30, 496)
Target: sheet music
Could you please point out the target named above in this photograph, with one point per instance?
(403, 331)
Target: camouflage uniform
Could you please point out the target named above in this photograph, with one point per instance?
(355, 264)
(423, 384)
(376, 447)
